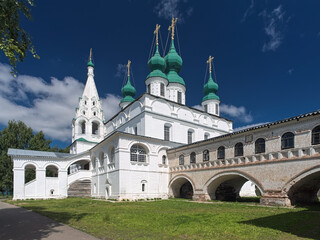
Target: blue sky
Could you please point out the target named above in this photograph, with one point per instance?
(267, 56)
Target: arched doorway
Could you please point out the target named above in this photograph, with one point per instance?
(181, 187)
(306, 189)
(227, 186)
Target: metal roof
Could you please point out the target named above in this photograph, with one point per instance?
(21, 152)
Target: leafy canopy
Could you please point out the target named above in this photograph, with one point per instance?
(15, 42)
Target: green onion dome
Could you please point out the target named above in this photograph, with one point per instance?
(210, 90)
(173, 65)
(157, 65)
(90, 63)
(128, 92)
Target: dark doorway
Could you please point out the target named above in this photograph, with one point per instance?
(186, 191)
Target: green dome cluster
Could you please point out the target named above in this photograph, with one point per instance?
(128, 92)
(173, 65)
(210, 90)
(157, 65)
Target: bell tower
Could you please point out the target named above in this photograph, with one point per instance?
(87, 126)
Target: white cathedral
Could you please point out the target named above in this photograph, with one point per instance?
(126, 156)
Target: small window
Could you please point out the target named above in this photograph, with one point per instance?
(260, 145)
(238, 150)
(206, 155)
(135, 130)
(193, 157)
(95, 128)
(138, 154)
(166, 133)
(316, 135)
(162, 89)
(83, 128)
(181, 160)
(149, 89)
(179, 97)
(287, 140)
(85, 102)
(93, 103)
(94, 113)
(83, 112)
(206, 136)
(190, 135)
(217, 109)
(112, 155)
(164, 159)
(221, 152)
(143, 187)
(205, 107)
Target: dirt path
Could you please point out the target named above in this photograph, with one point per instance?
(18, 223)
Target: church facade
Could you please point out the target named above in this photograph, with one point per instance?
(136, 153)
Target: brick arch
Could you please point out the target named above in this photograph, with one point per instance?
(177, 182)
(214, 182)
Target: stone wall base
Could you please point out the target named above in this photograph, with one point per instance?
(275, 201)
(201, 197)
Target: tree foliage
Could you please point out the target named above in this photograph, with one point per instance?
(15, 42)
(19, 135)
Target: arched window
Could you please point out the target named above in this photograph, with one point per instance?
(112, 155)
(164, 159)
(83, 127)
(221, 152)
(138, 154)
(260, 145)
(238, 150)
(29, 173)
(94, 113)
(143, 187)
(316, 135)
(193, 157)
(162, 89)
(93, 103)
(95, 128)
(83, 112)
(181, 160)
(287, 140)
(206, 155)
(51, 171)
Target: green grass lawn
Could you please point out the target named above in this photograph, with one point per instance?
(180, 219)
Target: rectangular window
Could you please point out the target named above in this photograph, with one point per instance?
(189, 137)
(217, 109)
(136, 130)
(166, 133)
(206, 136)
(162, 89)
(149, 90)
(205, 108)
(179, 97)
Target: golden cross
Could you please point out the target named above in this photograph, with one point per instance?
(90, 56)
(210, 62)
(156, 31)
(171, 27)
(128, 66)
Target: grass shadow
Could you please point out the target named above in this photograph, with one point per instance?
(304, 223)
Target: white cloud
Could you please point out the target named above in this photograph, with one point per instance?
(121, 70)
(172, 8)
(199, 107)
(274, 27)
(48, 106)
(248, 11)
(249, 126)
(237, 112)
(110, 105)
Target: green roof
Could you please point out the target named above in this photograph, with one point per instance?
(90, 63)
(174, 64)
(210, 90)
(128, 92)
(157, 65)
(84, 140)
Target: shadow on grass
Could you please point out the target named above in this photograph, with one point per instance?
(19, 223)
(304, 223)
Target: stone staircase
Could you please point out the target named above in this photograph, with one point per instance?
(80, 189)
